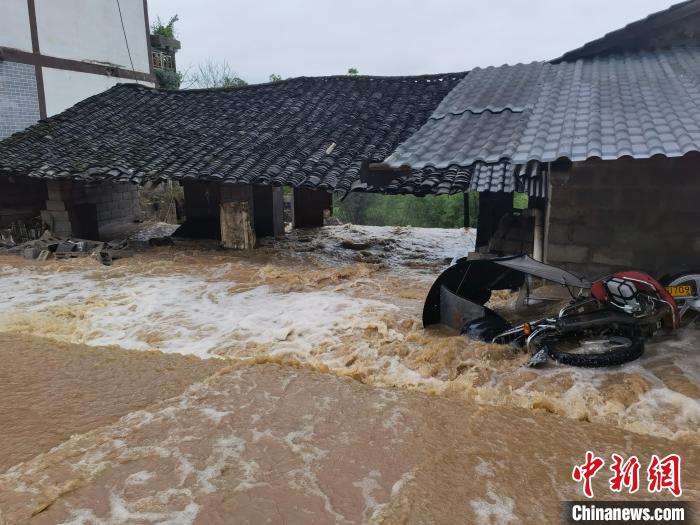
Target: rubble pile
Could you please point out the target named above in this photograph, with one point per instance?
(49, 247)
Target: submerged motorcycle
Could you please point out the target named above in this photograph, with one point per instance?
(606, 322)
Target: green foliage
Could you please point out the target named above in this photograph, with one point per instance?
(473, 209)
(353, 71)
(166, 30)
(443, 211)
(232, 82)
(168, 78)
(520, 201)
(275, 77)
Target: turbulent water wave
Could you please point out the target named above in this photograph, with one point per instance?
(343, 301)
(356, 319)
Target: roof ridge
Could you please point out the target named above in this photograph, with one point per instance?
(350, 78)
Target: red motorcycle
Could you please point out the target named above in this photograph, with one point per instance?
(606, 322)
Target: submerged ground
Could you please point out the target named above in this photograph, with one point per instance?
(297, 385)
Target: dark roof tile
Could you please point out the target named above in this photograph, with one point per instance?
(278, 133)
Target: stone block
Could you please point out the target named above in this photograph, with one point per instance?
(56, 205)
(567, 253)
(612, 257)
(62, 228)
(60, 215)
(58, 190)
(589, 236)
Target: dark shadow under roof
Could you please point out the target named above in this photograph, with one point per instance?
(304, 132)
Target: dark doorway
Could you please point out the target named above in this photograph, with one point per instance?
(84, 221)
(309, 206)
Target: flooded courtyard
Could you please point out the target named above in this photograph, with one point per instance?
(296, 384)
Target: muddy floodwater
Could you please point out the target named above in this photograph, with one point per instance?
(296, 384)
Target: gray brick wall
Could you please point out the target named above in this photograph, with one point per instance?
(626, 214)
(19, 102)
(115, 204)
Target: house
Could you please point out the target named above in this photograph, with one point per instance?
(54, 54)
(604, 142)
(608, 134)
(315, 135)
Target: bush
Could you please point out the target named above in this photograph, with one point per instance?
(441, 211)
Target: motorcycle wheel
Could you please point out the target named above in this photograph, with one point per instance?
(595, 351)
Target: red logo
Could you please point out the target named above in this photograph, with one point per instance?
(662, 474)
(665, 474)
(625, 474)
(587, 471)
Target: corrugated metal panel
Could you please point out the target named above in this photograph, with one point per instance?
(636, 104)
(462, 140)
(494, 89)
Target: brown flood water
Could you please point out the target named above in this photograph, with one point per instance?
(320, 398)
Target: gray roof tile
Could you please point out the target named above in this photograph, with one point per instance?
(635, 104)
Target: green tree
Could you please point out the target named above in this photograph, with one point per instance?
(166, 30)
(168, 78)
(353, 71)
(443, 211)
(274, 77)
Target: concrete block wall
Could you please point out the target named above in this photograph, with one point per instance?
(114, 204)
(641, 214)
(19, 101)
(21, 198)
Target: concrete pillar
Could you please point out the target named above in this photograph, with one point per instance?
(57, 215)
(309, 205)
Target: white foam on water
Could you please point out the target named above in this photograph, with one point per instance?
(120, 513)
(496, 510)
(183, 313)
(368, 486)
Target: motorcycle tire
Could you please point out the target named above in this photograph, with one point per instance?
(612, 357)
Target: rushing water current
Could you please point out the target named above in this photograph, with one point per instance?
(296, 384)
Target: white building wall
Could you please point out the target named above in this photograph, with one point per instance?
(14, 25)
(91, 30)
(64, 88)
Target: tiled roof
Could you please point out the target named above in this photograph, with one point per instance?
(636, 104)
(309, 132)
(497, 177)
(651, 31)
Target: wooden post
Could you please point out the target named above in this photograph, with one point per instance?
(236, 229)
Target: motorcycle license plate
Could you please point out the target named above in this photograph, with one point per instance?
(683, 290)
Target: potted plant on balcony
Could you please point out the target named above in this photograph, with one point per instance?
(163, 35)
